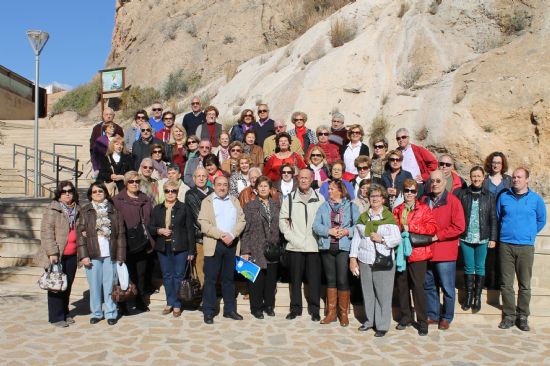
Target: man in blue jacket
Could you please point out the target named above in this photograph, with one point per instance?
(521, 214)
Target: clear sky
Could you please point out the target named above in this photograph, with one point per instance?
(80, 38)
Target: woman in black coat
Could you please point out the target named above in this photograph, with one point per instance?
(394, 177)
(262, 230)
(174, 243)
(116, 163)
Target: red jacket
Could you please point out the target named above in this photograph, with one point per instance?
(426, 161)
(449, 215)
(163, 134)
(420, 221)
(331, 150)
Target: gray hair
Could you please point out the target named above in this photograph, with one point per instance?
(403, 129)
(322, 128)
(254, 169)
(339, 116)
(298, 113)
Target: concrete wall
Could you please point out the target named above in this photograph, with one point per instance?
(12, 106)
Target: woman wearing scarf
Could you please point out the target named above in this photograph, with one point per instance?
(255, 152)
(334, 224)
(376, 231)
(413, 216)
(159, 165)
(101, 244)
(317, 161)
(239, 180)
(58, 245)
(231, 165)
(305, 135)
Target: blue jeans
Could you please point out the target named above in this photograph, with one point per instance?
(474, 258)
(172, 265)
(102, 275)
(440, 275)
(222, 263)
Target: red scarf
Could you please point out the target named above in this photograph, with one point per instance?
(212, 129)
(300, 132)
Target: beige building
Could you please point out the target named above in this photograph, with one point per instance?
(17, 96)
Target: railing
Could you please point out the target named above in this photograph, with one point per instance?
(53, 160)
(56, 144)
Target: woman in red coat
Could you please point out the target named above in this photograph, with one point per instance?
(416, 217)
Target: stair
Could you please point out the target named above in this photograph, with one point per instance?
(11, 183)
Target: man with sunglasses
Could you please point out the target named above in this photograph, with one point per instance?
(453, 182)
(264, 126)
(156, 119)
(205, 148)
(416, 159)
(195, 118)
(107, 116)
(133, 132)
(449, 215)
(142, 148)
(270, 145)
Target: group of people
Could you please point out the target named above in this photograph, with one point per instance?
(315, 204)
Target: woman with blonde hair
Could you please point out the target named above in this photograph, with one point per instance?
(317, 163)
(116, 163)
(176, 150)
(222, 151)
(239, 180)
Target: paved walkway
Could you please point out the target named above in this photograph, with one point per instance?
(147, 338)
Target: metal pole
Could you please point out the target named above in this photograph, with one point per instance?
(56, 167)
(76, 174)
(36, 158)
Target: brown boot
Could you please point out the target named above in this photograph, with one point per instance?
(343, 307)
(331, 306)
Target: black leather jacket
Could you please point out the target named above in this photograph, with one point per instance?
(180, 222)
(193, 201)
(488, 226)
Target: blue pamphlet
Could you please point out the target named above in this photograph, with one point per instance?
(247, 269)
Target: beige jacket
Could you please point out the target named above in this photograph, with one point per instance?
(210, 231)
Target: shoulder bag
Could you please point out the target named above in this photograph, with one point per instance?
(137, 237)
(382, 262)
(112, 188)
(53, 279)
(190, 291)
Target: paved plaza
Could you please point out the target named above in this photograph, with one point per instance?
(150, 338)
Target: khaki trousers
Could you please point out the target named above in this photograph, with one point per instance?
(199, 261)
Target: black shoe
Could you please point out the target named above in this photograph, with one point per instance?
(209, 319)
(142, 306)
(111, 321)
(122, 309)
(315, 318)
(506, 323)
(380, 333)
(522, 324)
(292, 315)
(95, 320)
(269, 311)
(257, 314)
(402, 326)
(423, 331)
(363, 328)
(233, 315)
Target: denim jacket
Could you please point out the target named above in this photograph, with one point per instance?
(322, 224)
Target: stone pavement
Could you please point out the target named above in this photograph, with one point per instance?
(26, 338)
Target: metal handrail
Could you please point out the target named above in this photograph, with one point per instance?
(55, 144)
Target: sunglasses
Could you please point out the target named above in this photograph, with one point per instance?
(448, 165)
(249, 115)
(298, 119)
(379, 146)
(145, 130)
(134, 181)
(362, 168)
(157, 151)
(195, 103)
(141, 117)
(436, 181)
(204, 147)
(67, 191)
(323, 134)
(192, 142)
(316, 155)
(286, 172)
(263, 110)
(96, 191)
(398, 138)
(170, 191)
(236, 150)
(394, 159)
(409, 190)
(147, 167)
(355, 132)
(168, 119)
(157, 109)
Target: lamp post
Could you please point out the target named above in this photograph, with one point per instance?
(38, 40)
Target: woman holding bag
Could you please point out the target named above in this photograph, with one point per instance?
(114, 165)
(101, 244)
(174, 244)
(414, 217)
(58, 246)
(376, 234)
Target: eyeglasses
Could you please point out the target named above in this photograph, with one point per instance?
(436, 181)
(279, 127)
(147, 168)
(379, 146)
(393, 160)
(192, 142)
(355, 132)
(249, 115)
(170, 191)
(263, 110)
(236, 150)
(157, 151)
(67, 191)
(323, 134)
(157, 109)
(286, 172)
(362, 168)
(336, 121)
(195, 103)
(145, 130)
(134, 181)
(204, 147)
(168, 119)
(298, 119)
(141, 117)
(448, 165)
(401, 138)
(375, 196)
(316, 155)
(496, 162)
(409, 190)
(97, 191)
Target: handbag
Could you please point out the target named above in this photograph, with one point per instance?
(120, 295)
(273, 252)
(53, 279)
(382, 262)
(112, 188)
(137, 236)
(420, 240)
(190, 291)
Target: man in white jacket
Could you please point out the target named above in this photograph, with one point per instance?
(295, 222)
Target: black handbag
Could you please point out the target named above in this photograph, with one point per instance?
(273, 252)
(137, 237)
(382, 262)
(190, 291)
(420, 240)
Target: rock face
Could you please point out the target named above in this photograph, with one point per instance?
(465, 77)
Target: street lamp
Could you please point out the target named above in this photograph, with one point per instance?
(38, 40)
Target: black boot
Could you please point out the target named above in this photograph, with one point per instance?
(476, 306)
(469, 283)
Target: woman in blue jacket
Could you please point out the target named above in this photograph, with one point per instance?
(334, 224)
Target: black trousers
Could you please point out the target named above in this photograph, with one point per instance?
(262, 291)
(310, 263)
(412, 280)
(222, 263)
(336, 269)
(58, 302)
(137, 269)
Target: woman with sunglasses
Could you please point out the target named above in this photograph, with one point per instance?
(331, 150)
(239, 180)
(135, 208)
(288, 182)
(379, 159)
(58, 245)
(192, 145)
(160, 169)
(393, 178)
(305, 136)
(353, 149)
(222, 150)
(133, 132)
(317, 163)
(231, 165)
(116, 163)
(212, 167)
(337, 170)
(101, 245)
(173, 231)
(244, 124)
(176, 150)
(283, 155)
(149, 185)
(255, 152)
(414, 216)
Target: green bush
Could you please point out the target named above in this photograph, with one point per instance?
(137, 98)
(81, 99)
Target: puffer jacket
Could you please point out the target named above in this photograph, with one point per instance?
(488, 226)
(420, 221)
(88, 246)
